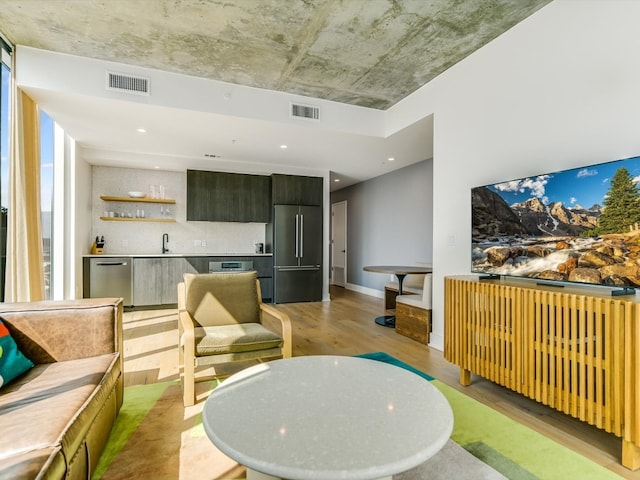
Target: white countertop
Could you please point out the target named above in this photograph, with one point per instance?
(328, 418)
(179, 255)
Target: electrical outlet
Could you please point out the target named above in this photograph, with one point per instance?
(204, 243)
(451, 240)
(197, 243)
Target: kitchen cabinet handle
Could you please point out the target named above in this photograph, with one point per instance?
(297, 236)
(297, 269)
(111, 264)
(301, 235)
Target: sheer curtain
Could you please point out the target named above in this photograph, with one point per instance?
(24, 271)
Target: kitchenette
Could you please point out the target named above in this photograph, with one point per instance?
(148, 280)
(151, 227)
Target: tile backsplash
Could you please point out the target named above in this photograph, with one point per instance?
(146, 237)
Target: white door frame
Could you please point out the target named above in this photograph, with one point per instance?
(340, 280)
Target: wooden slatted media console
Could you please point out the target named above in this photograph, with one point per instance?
(575, 352)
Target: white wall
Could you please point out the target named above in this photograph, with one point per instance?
(79, 218)
(559, 90)
(389, 222)
(39, 71)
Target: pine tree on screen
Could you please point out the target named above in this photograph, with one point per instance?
(622, 205)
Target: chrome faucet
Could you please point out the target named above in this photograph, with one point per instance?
(165, 240)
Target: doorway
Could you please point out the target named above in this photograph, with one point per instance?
(339, 243)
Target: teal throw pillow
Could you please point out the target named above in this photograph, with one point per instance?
(12, 361)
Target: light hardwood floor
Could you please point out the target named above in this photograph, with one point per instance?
(345, 326)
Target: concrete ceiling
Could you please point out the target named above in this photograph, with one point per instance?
(366, 53)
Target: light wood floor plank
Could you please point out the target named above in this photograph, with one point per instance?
(345, 326)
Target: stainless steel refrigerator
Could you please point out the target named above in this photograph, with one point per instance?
(297, 253)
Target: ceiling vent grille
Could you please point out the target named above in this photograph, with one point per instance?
(308, 112)
(127, 83)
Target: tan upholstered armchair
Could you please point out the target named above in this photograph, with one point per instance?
(221, 319)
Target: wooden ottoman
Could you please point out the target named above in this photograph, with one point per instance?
(413, 321)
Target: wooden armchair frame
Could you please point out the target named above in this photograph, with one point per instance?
(187, 348)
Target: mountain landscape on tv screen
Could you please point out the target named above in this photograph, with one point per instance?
(539, 227)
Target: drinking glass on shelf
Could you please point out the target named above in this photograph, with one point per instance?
(152, 191)
(161, 191)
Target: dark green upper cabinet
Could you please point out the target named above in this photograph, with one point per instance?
(296, 190)
(228, 197)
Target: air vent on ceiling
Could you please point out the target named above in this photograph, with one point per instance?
(128, 83)
(305, 111)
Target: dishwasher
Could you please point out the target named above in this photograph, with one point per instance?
(111, 277)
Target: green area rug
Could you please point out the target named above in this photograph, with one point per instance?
(155, 437)
(509, 447)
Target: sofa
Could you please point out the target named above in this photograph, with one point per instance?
(56, 417)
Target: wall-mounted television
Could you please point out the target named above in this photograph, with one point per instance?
(580, 225)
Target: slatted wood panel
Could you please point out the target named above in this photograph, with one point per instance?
(574, 353)
(577, 353)
(483, 331)
(631, 379)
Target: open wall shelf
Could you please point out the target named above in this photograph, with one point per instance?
(108, 198)
(137, 219)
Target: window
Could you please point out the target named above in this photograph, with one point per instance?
(5, 102)
(46, 198)
(48, 156)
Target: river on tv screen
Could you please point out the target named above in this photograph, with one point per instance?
(579, 225)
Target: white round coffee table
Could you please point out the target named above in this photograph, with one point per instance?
(327, 418)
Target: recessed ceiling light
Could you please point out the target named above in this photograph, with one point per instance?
(283, 146)
(141, 130)
(391, 159)
(336, 179)
(157, 166)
